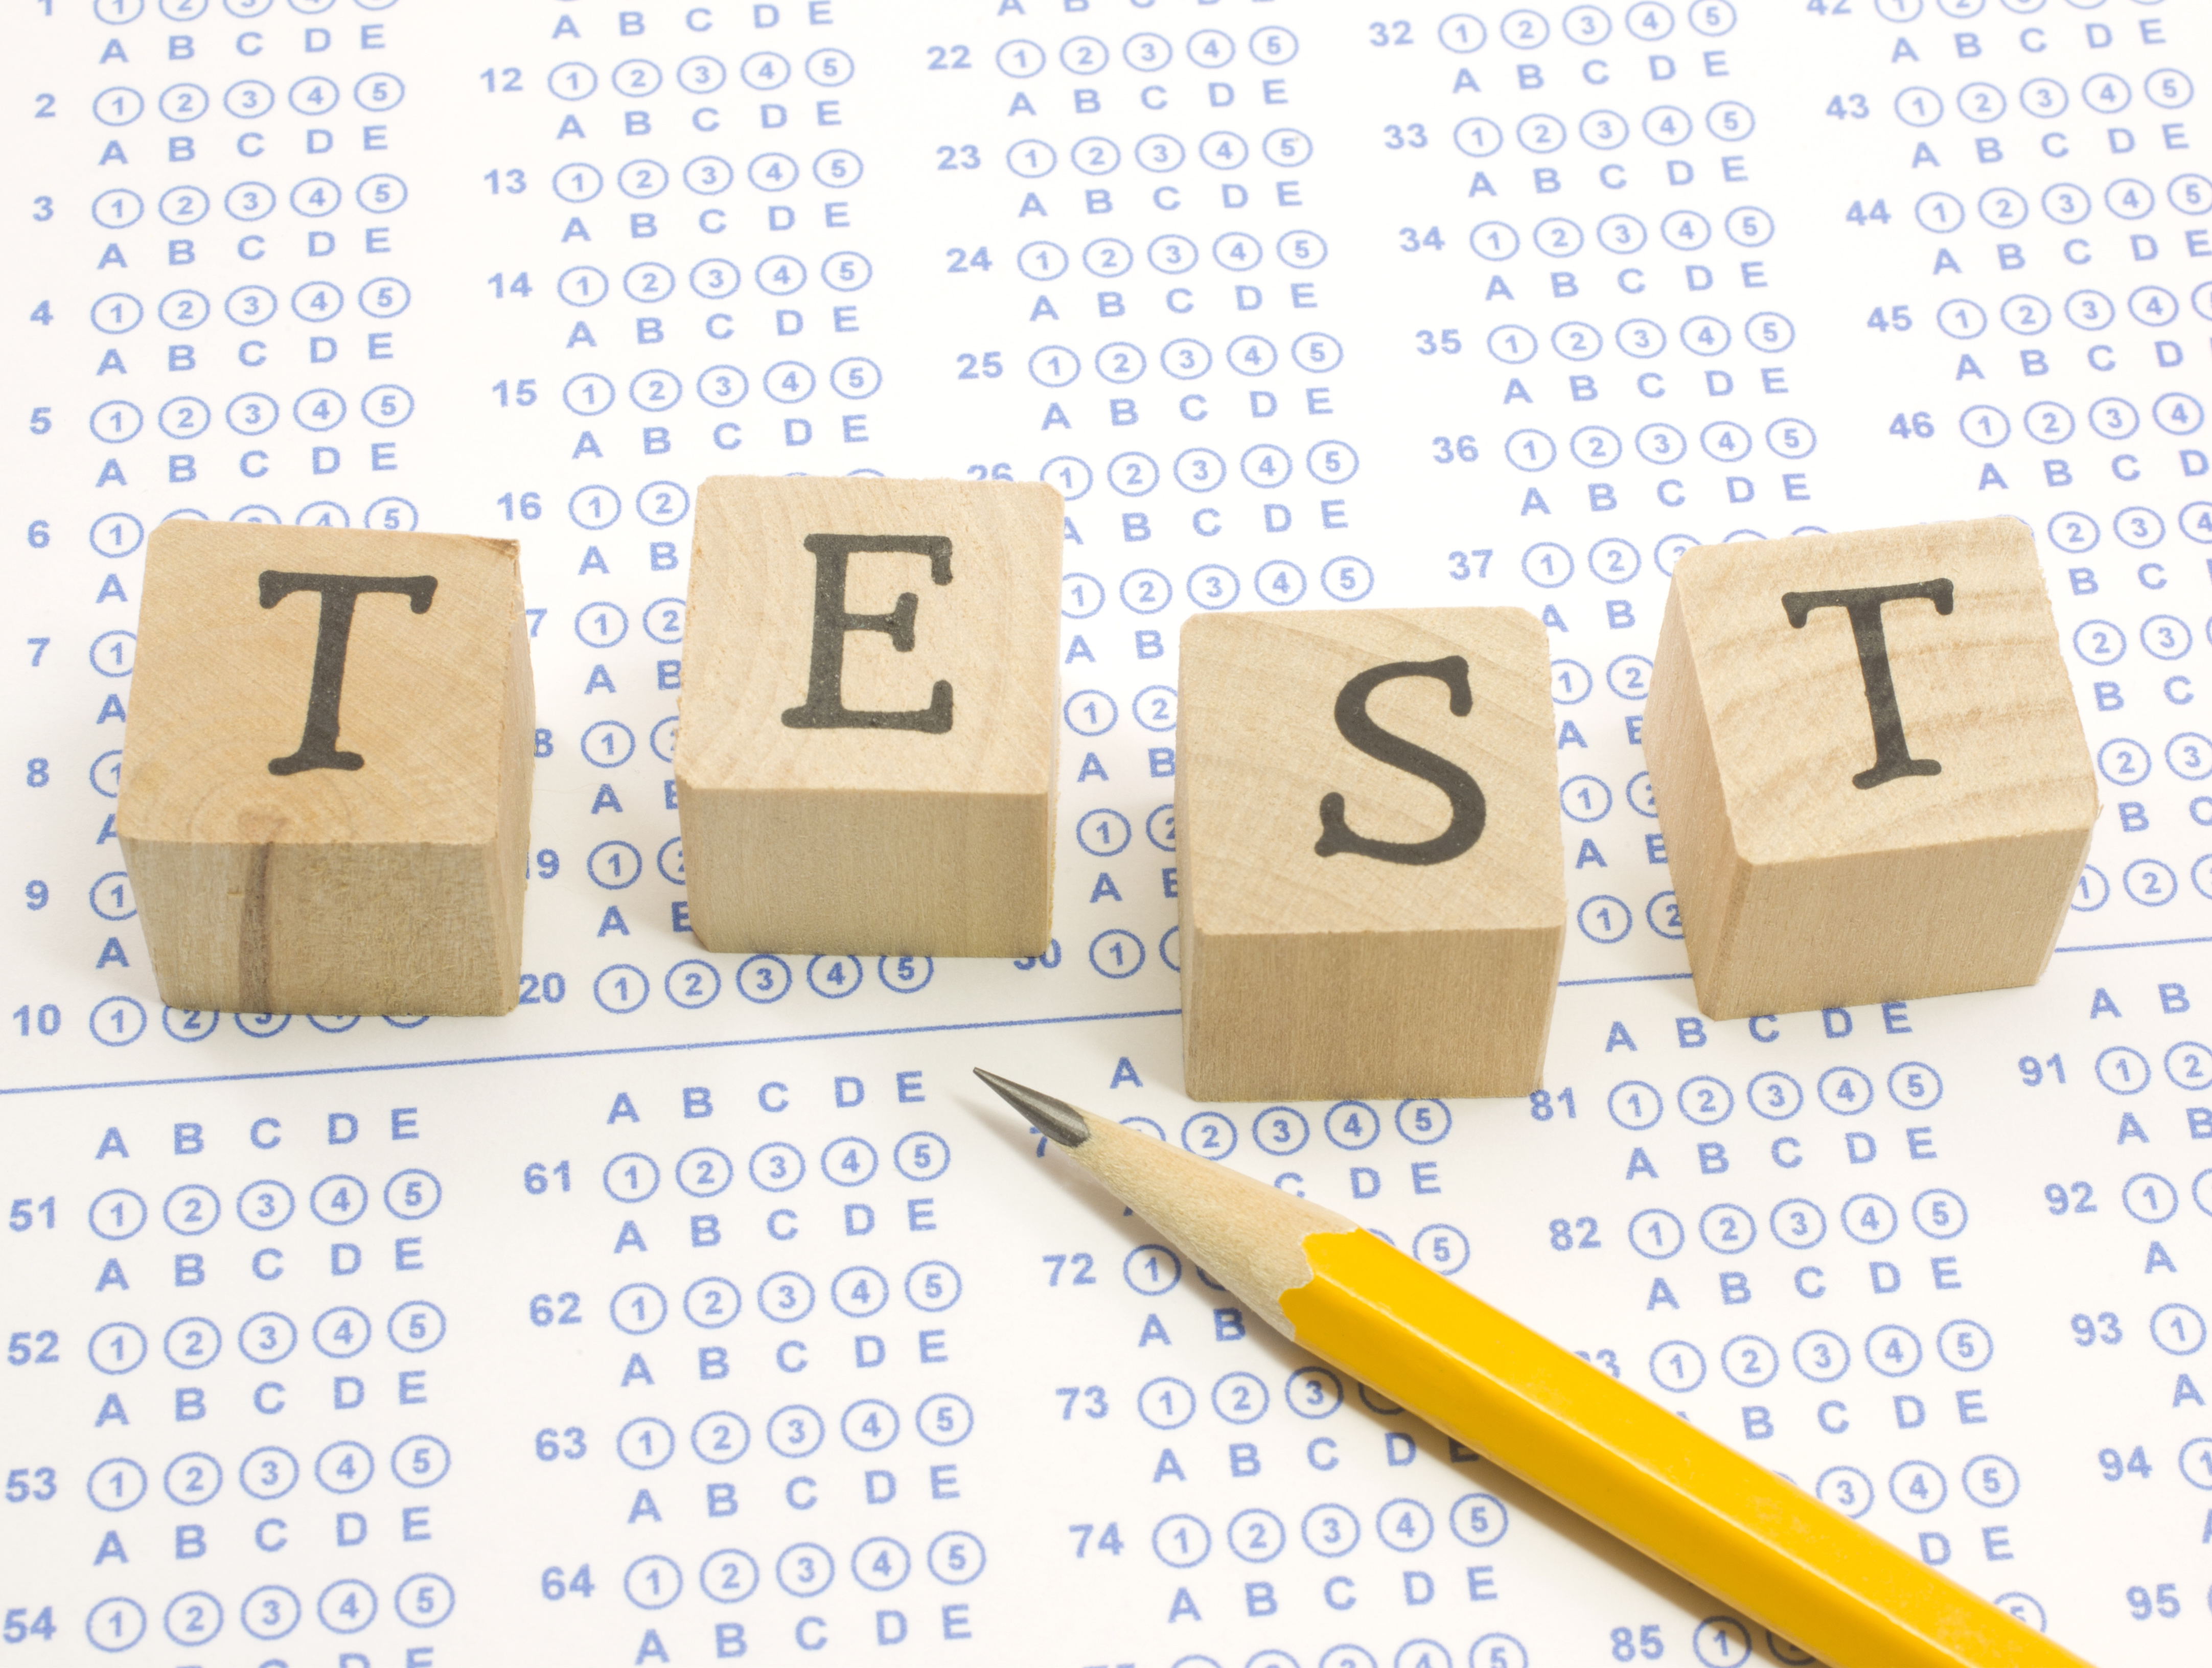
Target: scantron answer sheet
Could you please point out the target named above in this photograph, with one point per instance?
(702, 1309)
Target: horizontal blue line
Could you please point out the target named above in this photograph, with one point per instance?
(2146, 943)
(2061, 950)
(593, 1053)
(801, 1037)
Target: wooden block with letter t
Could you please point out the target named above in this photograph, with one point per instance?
(1372, 893)
(326, 795)
(1871, 773)
(866, 758)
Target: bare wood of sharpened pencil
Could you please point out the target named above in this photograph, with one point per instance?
(1690, 1503)
(1247, 1236)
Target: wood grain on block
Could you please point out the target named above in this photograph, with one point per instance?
(324, 804)
(1372, 898)
(1870, 771)
(866, 758)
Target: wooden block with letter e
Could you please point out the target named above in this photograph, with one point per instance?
(325, 794)
(1372, 893)
(1871, 773)
(866, 758)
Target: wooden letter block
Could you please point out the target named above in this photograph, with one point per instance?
(1367, 815)
(325, 797)
(1869, 769)
(870, 724)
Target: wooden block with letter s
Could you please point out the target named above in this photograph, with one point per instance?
(324, 804)
(1869, 769)
(1372, 892)
(868, 745)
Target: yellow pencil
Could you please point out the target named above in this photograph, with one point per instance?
(1760, 1545)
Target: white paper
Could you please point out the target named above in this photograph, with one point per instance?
(1245, 298)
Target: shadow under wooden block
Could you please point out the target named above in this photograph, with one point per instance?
(1372, 895)
(326, 792)
(868, 748)
(1869, 769)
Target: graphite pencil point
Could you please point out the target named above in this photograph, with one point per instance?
(1055, 1117)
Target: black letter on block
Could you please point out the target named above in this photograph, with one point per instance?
(319, 747)
(1376, 743)
(1892, 758)
(825, 707)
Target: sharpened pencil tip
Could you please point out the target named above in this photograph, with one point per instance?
(1055, 1117)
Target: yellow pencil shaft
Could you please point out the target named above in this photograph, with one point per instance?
(1773, 1552)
